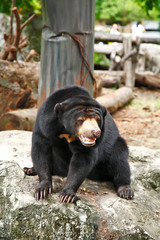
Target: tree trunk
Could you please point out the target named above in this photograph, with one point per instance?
(117, 99)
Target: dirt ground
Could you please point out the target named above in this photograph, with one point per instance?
(139, 121)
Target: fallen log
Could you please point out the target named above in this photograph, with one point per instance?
(110, 78)
(24, 73)
(120, 74)
(18, 120)
(117, 99)
(12, 96)
(150, 81)
(108, 81)
(18, 85)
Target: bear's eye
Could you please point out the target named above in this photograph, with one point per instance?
(80, 121)
(98, 120)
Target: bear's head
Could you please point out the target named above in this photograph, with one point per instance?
(81, 118)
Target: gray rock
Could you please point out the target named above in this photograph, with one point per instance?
(99, 215)
(4, 27)
(148, 59)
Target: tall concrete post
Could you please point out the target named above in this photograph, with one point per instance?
(67, 45)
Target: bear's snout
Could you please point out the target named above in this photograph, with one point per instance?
(88, 132)
(96, 132)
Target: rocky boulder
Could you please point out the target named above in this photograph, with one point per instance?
(100, 214)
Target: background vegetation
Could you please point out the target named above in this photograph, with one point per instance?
(110, 11)
(27, 7)
(116, 11)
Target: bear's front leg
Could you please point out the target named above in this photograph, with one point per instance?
(80, 166)
(42, 162)
(121, 170)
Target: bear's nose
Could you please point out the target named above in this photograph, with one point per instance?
(96, 132)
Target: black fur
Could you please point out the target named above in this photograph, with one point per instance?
(51, 155)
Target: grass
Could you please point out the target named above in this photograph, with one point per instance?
(149, 105)
(157, 104)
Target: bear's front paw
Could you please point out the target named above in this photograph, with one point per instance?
(43, 189)
(68, 196)
(125, 192)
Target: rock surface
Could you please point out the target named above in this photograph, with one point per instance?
(99, 215)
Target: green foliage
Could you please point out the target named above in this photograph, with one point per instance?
(116, 11)
(28, 6)
(111, 11)
(150, 6)
(101, 59)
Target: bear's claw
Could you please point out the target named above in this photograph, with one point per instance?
(43, 190)
(125, 192)
(68, 198)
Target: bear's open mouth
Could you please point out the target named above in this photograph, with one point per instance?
(87, 141)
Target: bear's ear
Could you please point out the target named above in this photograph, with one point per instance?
(58, 108)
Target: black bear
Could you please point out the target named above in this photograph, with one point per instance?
(75, 136)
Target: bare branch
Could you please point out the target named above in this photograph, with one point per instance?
(18, 27)
(14, 43)
(30, 55)
(5, 36)
(22, 45)
(13, 49)
(128, 55)
(28, 20)
(11, 19)
(23, 40)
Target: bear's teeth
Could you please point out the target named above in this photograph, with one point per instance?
(87, 140)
